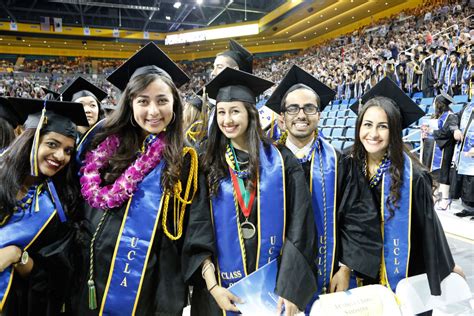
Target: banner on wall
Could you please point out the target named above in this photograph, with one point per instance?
(116, 33)
(13, 26)
(45, 23)
(87, 30)
(58, 24)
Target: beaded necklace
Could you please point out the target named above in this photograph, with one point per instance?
(25, 202)
(382, 167)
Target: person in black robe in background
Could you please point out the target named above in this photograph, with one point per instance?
(299, 98)
(378, 146)
(438, 146)
(149, 83)
(428, 76)
(35, 223)
(462, 185)
(235, 92)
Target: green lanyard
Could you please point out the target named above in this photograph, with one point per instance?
(243, 189)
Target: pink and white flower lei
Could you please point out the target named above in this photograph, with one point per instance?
(114, 195)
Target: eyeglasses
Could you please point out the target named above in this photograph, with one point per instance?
(308, 109)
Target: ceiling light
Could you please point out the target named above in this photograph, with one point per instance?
(368, 11)
(168, 17)
(177, 5)
(352, 17)
(199, 1)
(44, 42)
(335, 9)
(308, 22)
(339, 23)
(304, 37)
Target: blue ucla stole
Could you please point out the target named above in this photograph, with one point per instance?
(465, 162)
(270, 198)
(133, 247)
(324, 208)
(463, 126)
(85, 140)
(21, 230)
(396, 230)
(437, 158)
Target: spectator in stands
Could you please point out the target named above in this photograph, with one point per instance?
(438, 145)
(403, 189)
(342, 202)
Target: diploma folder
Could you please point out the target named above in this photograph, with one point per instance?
(257, 291)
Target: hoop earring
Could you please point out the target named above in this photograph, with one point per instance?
(131, 121)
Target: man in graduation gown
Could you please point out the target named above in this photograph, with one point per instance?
(463, 182)
(341, 200)
(237, 57)
(438, 145)
(427, 77)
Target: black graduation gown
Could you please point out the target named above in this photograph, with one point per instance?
(463, 185)
(44, 291)
(429, 252)
(358, 237)
(445, 140)
(163, 291)
(296, 280)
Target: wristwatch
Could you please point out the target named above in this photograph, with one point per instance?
(23, 258)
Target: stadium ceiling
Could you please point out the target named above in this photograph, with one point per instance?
(282, 25)
(144, 15)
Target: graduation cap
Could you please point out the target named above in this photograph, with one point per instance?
(409, 110)
(236, 85)
(242, 57)
(8, 114)
(294, 76)
(444, 49)
(196, 101)
(445, 98)
(50, 94)
(455, 53)
(149, 59)
(79, 88)
(48, 116)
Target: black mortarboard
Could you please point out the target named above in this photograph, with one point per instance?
(81, 87)
(68, 113)
(294, 76)
(444, 49)
(445, 98)
(149, 59)
(242, 57)
(409, 110)
(236, 85)
(455, 53)
(50, 94)
(196, 102)
(8, 114)
(48, 116)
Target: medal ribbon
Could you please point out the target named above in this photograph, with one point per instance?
(246, 210)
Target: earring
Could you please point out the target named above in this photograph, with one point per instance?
(131, 121)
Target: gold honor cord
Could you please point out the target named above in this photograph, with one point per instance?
(181, 202)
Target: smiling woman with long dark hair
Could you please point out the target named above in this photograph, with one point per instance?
(33, 215)
(260, 204)
(138, 181)
(414, 240)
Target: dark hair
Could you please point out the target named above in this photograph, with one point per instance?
(7, 133)
(15, 167)
(120, 123)
(297, 87)
(214, 164)
(440, 107)
(395, 144)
